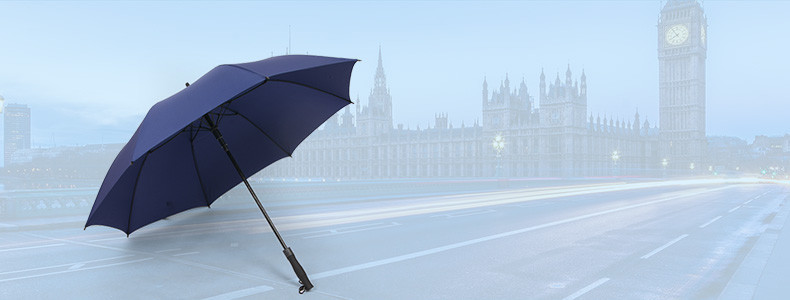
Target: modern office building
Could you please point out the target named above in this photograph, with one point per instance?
(16, 131)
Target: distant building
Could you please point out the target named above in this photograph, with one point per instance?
(556, 139)
(17, 131)
(518, 138)
(728, 152)
(772, 155)
(682, 48)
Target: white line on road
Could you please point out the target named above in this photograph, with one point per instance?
(343, 230)
(188, 253)
(168, 250)
(69, 271)
(465, 213)
(3, 225)
(586, 289)
(241, 293)
(63, 265)
(408, 256)
(664, 246)
(709, 222)
(734, 208)
(76, 266)
(32, 247)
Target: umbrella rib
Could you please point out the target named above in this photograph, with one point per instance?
(259, 129)
(291, 82)
(309, 86)
(134, 191)
(197, 170)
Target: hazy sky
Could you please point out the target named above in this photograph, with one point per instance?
(91, 70)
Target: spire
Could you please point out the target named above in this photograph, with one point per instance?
(542, 85)
(379, 56)
(380, 79)
(637, 125)
(485, 90)
(568, 76)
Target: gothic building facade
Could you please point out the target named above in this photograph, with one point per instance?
(556, 138)
(518, 138)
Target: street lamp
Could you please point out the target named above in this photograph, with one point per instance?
(499, 145)
(615, 158)
(664, 164)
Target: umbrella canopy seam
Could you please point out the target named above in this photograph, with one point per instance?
(134, 191)
(170, 138)
(269, 78)
(261, 130)
(197, 170)
(309, 86)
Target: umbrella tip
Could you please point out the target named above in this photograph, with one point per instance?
(187, 84)
(127, 235)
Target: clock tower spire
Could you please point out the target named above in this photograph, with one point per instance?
(682, 48)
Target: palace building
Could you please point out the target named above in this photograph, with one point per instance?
(555, 137)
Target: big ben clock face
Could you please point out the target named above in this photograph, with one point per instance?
(677, 34)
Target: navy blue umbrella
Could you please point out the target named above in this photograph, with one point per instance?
(202, 141)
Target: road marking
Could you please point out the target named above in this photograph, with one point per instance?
(63, 265)
(343, 230)
(465, 213)
(466, 201)
(69, 271)
(188, 253)
(586, 289)
(734, 208)
(709, 222)
(664, 246)
(168, 250)
(4, 225)
(76, 266)
(32, 247)
(241, 293)
(747, 202)
(417, 254)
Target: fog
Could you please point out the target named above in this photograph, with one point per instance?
(493, 150)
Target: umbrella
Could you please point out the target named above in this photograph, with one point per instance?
(202, 141)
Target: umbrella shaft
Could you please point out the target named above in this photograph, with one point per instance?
(224, 145)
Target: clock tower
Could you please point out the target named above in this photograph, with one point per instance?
(682, 46)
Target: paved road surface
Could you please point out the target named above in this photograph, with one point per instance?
(645, 240)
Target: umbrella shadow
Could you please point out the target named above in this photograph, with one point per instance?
(234, 245)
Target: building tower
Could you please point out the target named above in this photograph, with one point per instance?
(16, 131)
(376, 117)
(682, 47)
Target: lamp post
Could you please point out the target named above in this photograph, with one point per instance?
(615, 158)
(691, 167)
(499, 145)
(664, 164)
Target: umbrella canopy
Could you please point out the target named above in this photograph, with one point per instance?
(263, 109)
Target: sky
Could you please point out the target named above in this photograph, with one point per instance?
(90, 70)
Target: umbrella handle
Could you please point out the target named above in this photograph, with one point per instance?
(300, 273)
